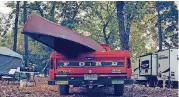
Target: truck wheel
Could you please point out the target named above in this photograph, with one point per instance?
(63, 90)
(119, 89)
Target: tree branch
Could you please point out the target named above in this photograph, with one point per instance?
(76, 10)
(39, 8)
(52, 11)
(105, 26)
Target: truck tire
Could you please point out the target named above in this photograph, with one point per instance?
(63, 90)
(119, 89)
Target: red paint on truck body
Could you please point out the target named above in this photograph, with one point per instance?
(99, 56)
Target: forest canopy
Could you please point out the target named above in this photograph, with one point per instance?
(140, 27)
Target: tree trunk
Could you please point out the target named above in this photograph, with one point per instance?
(104, 32)
(25, 37)
(128, 28)
(40, 10)
(16, 27)
(121, 26)
(159, 27)
(52, 12)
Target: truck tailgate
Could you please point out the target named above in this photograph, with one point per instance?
(86, 70)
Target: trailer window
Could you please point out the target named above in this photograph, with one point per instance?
(145, 64)
(128, 63)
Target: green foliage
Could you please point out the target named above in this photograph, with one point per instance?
(98, 20)
(4, 24)
(169, 22)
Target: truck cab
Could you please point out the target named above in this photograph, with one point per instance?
(107, 67)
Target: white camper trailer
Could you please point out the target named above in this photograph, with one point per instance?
(152, 68)
(145, 69)
(168, 64)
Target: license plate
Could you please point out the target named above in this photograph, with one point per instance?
(117, 82)
(90, 77)
(61, 82)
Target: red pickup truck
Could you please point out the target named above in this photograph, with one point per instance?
(108, 67)
(80, 60)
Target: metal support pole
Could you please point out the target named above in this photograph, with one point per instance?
(169, 82)
(25, 36)
(164, 81)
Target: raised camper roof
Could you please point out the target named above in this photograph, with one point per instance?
(59, 38)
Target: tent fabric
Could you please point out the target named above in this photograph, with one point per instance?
(9, 60)
(9, 52)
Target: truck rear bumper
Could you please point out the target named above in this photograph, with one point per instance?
(81, 81)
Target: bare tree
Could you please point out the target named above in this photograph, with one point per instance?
(159, 25)
(25, 37)
(16, 27)
(124, 36)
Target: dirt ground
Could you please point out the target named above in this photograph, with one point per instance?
(43, 90)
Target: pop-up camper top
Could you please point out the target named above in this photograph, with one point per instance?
(59, 38)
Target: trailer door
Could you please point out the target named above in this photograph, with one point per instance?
(163, 63)
(174, 61)
(145, 67)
